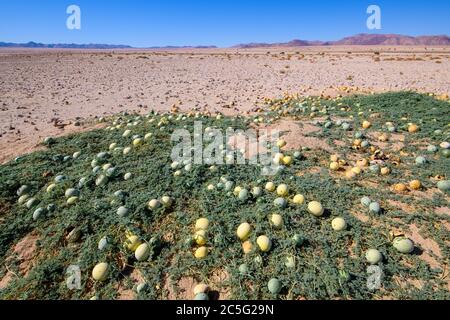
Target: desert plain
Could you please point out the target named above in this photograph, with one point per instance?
(53, 92)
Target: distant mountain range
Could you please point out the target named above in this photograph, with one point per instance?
(359, 39)
(32, 44)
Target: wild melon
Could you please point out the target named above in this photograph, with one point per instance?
(38, 213)
(122, 211)
(298, 199)
(202, 224)
(72, 200)
(339, 224)
(256, 192)
(103, 243)
(264, 243)
(166, 201)
(334, 166)
(403, 245)
(243, 231)
(132, 243)
(23, 190)
(421, 160)
(101, 180)
(282, 190)
(154, 204)
(366, 124)
(287, 160)
(247, 246)
(200, 237)
(298, 240)
(415, 184)
(243, 195)
(316, 208)
(243, 269)
(274, 286)
(201, 296)
(444, 185)
(373, 256)
(374, 207)
(281, 143)
(31, 203)
(127, 176)
(365, 201)
(22, 199)
(200, 288)
(276, 220)
(201, 252)
(142, 252)
(289, 262)
(412, 128)
(400, 187)
(270, 186)
(280, 203)
(71, 193)
(100, 271)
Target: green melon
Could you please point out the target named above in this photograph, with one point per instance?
(444, 186)
(280, 203)
(298, 240)
(373, 256)
(274, 286)
(403, 245)
(201, 296)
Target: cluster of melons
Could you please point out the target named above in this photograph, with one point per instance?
(134, 244)
(165, 201)
(200, 238)
(401, 244)
(243, 233)
(186, 165)
(281, 159)
(336, 163)
(413, 185)
(374, 207)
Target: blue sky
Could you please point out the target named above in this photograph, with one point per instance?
(143, 23)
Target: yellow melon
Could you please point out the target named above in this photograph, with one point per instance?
(243, 231)
(298, 199)
(264, 243)
(247, 246)
(201, 252)
(100, 271)
(202, 224)
(316, 208)
(415, 184)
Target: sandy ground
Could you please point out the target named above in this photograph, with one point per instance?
(39, 88)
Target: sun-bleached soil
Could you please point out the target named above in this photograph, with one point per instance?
(53, 92)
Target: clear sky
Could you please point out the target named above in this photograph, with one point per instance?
(143, 23)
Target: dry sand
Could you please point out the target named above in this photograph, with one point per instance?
(39, 87)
